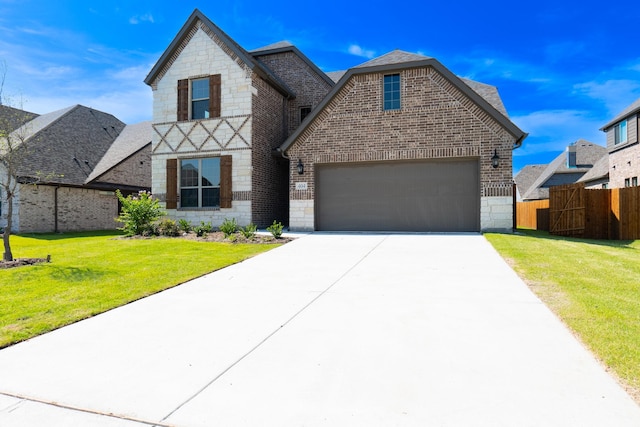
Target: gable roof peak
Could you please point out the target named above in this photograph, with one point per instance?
(394, 57)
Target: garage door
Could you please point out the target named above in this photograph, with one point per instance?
(442, 195)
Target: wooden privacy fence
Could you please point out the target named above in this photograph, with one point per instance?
(592, 214)
(534, 214)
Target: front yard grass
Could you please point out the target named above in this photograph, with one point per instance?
(592, 285)
(91, 273)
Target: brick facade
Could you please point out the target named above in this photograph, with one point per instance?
(309, 87)
(624, 159)
(77, 209)
(135, 171)
(436, 121)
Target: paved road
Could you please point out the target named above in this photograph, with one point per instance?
(329, 330)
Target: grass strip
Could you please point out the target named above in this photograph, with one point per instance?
(91, 273)
(592, 285)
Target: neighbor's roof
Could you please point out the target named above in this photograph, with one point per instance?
(631, 109)
(12, 118)
(587, 154)
(67, 144)
(527, 177)
(398, 60)
(600, 170)
(132, 139)
(244, 56)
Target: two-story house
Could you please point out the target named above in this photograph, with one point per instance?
(397, 143)
(623, 147)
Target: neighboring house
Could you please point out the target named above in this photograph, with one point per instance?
(73, 161)
(582, 161)
(623, 147)
(397, 143)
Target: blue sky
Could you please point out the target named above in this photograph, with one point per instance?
(563, 68)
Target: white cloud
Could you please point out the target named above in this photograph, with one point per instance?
(147, 17)
(616, 95)
(354, 49)
(553, 130)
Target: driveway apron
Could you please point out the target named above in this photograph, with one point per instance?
(330, 329)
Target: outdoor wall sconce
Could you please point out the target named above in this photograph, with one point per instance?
(495, 159)
(300, 167)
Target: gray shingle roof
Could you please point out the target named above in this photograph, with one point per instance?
(631, 109)
(12, 118)
(527, 176)
(600, 170)
(393, 57)
(489, 93)
(132, 139)
(557, 172)
(277, 45)
(336, 75)
(65, 146)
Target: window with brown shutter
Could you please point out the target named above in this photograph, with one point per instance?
(172, 184)
(183, 100)
(226, 193)
(187, 94)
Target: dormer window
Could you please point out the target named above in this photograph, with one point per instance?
(620, 132)
(199, 98)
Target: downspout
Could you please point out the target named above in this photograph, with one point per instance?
(55, 208)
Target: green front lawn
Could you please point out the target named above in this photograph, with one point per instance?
(94, 272)
(592, 285)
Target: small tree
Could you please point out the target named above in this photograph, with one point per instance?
(13, 149)
(138, 213)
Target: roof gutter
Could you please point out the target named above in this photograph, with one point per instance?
(518, 143)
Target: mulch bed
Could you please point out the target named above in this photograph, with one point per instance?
(19, 262)
(218, 236)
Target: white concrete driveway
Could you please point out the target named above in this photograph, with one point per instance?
(331, 330)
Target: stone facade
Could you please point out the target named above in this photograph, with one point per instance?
(436, 121)
(624, 158)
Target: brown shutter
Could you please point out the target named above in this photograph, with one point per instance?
(226, 193)
(183, 100)
(172, 184)
(214, 95)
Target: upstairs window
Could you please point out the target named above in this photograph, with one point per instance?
(620, 132)
(199, 98)
(391, 100)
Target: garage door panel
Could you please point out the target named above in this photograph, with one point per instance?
(398, 196)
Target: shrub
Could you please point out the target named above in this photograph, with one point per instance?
(184, 225)
(202, 229)
(228, 227)
(275, 229)
(138, 213)
(168, 227)
(249, 231)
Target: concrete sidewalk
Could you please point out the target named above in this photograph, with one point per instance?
(331, 329)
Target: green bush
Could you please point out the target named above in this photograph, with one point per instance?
(203, 229)
(138, 213)
(184, 225)
(249, 231)
(275, 229)
(168, 227)
(228, 227)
